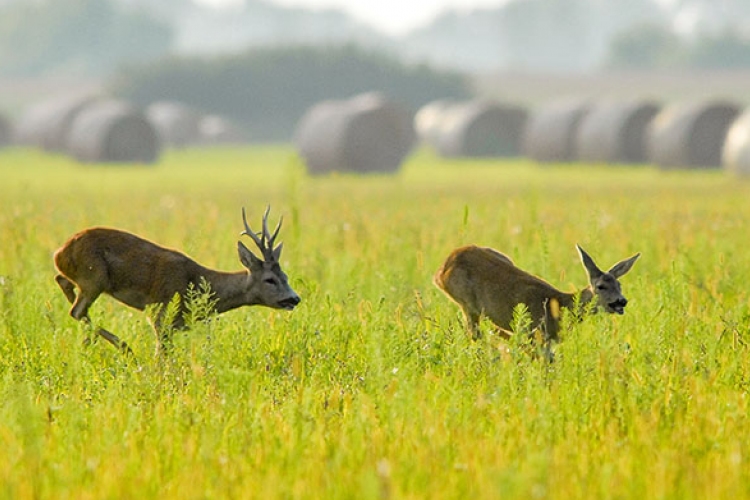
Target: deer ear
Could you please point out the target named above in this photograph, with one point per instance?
(624, 266)
(591, 268)
(248, 258)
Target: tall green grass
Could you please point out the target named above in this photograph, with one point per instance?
(371, 388)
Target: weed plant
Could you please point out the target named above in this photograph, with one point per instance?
(371, 388)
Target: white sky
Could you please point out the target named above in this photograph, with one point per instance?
(390, 16)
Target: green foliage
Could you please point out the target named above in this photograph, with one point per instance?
(655, 46)
(371, 388)
(269, 89)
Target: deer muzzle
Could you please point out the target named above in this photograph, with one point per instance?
(289, 303)
(618, 306)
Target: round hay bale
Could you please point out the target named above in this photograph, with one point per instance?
(551, 131)
(177, 124)
(367, 133)
(428, 121)
(736, 152)
(6, 131)
(690, 136)
(215, 129)
(113, 131)
(616, 132)
(482, 129)
(46, 124)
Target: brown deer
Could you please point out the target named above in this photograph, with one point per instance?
(140, 273)
(485, 282)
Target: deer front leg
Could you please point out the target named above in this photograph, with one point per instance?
(472, 323)
(164, 330)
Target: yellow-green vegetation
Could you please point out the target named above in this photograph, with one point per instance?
(371, 388)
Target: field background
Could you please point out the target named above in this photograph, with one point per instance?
(370, 388)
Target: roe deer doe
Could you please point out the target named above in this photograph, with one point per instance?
(485, 282)
(140, 273)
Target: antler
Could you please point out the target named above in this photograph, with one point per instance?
(266, 241)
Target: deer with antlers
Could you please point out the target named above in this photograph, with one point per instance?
(140, 273)
(485, 282)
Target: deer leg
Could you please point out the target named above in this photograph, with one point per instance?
(67, 286)
(472, 323)
(80, 311)
(164, 331)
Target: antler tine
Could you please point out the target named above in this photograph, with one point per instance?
(250, 232)
(275, 233)
(264, 237)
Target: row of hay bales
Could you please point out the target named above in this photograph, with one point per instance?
(180, 125)
(92, 129)
(695, 135)
(97, 129)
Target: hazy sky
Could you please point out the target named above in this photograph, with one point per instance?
(390, 16)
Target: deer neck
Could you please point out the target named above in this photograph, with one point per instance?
(229, 289)
(582, 298)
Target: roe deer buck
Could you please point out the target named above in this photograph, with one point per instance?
(140, 273)
(485, 282)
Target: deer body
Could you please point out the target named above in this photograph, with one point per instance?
(485, 282)
(139, 273)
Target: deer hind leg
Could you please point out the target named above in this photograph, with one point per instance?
(80, 312)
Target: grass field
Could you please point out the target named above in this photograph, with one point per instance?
(371, 389)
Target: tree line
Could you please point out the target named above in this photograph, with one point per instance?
(268, 90)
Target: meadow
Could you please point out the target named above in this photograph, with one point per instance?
(371, 388)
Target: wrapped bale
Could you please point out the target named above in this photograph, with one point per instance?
(736, 152)
(6, 131)
(690, 136)
(46, 124)
(113, 132)
(616, 132)
(215, 129)
(428, 121)
(367, 133)
(551, 131)
(482, 129)
(178, 125)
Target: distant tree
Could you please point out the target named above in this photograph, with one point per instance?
(76, 36)
(269, 89)
(650, 47)
(723, 51)
(646, 46)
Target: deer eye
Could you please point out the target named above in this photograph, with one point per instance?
(270, 281)
(601, 287)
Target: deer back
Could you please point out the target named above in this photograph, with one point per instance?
(485, 281)
(132, 269)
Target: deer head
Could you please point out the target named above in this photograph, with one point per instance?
(269, 283)
(605, 285)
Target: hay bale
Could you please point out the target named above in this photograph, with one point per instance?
(551, 131)
(615, 132)
(690, 136)
(482, 129)
(215, 129)
(6, 131)
(736, 152)
(428, 121)
(366, 133)
(177, 124)
(46, 124)
(113, 131)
